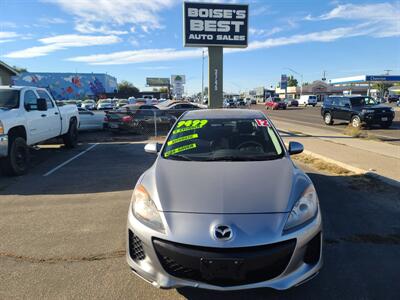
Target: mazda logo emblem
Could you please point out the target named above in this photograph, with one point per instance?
(223, 233)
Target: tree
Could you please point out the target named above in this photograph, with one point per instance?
(381, 87)
(20, 70)
(292, 81)
(126, 90)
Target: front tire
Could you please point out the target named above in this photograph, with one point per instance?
(328, 119)
(71, 137)
(356, 122)
(18, 159)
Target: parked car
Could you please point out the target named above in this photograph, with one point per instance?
(177, 108)
(215, 234)
(121, 103)
(308, 100)
(291, 102)
(229, 103)
(139, 118)
(393, 98)
(240, 103)
(89, 104)
(105, 104)
(89, 120)
(275, 103)
(28, 116)
(357, 110)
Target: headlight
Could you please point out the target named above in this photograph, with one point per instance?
(1, 128)
(304, 209)
(144, 209)
(368, 111)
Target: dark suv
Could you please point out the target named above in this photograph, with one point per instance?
(357, 110)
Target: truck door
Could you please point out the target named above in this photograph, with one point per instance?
(53, 120)
(344, 110)
(35, 120)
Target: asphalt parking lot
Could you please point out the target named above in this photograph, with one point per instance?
(63, 235)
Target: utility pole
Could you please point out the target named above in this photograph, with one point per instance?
(202, 78)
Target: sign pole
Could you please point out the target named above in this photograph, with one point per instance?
(215, 78)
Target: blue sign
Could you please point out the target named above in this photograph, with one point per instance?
(208, 24)
(284, 82)
(382, 78)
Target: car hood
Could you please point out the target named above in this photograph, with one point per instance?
(225, 187)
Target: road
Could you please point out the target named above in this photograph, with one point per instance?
(311, 116)
(62, 235)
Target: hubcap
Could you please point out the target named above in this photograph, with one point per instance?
(355, 123)
(20, 157)
(327, 118)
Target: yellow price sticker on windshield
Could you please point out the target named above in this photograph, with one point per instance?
(192, 123)
(180, 149)
(182, 139)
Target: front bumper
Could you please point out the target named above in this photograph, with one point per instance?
(279, 262)
(377, 118)
(3, 145)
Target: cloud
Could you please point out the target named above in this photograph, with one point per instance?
(53, 21)
(85, 27)
(7, 24)
(8, 36)
(117, 12)
(264, 32)
(384, 17)
(61, 42)
(137, 56)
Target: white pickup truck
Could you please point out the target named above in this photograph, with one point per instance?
(28, 116)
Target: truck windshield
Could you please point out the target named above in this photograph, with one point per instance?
(223, 140)
(362, 101)
(9, 99)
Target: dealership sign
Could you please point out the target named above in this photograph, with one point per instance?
(151, 81)
(284, 81)
(207, 24)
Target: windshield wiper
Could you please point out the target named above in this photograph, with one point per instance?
(179, 157)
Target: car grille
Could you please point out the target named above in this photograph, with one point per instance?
(259, 263)
(135, 247)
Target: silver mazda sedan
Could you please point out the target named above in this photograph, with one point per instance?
(224, 208)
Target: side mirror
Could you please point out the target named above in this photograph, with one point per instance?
(295, 148)
(41, 104)
(152, 148)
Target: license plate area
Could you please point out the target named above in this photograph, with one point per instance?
(221, 268)
(113, 125)
(384, 119)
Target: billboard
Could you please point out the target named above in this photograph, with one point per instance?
(210, 24)
(66, 86)
(177, 82)
(156, 81)
(178, 79)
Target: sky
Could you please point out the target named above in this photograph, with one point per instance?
(135, 39)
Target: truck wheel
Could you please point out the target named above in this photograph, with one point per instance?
(18, 159)
(356, 122)
(328, 119)
(71, 137)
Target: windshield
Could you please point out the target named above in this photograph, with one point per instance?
(9, 99)
(223, 140)
(362, 101)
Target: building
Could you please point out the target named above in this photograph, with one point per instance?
(64, 86)
(6, 73)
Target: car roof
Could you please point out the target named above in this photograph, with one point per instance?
(223, 114)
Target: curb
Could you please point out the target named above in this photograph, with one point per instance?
(355, 170)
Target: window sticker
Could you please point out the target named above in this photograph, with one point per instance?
(183, 139)
(180, 130)
(262, 123)
(180, 149)
(192, 123)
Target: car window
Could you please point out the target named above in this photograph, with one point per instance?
(145, 112)
(44, 95)
(223, 139)
(9, 99)
(361, 101)
(343, 102)
(30, 100)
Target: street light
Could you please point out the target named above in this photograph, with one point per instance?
(301, 76)
(202, 79)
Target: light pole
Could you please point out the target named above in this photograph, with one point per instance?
(202, 79)
(301, 76)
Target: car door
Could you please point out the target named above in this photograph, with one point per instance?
(53, 119)
(334, 107)
(35, 120)
(343, 109)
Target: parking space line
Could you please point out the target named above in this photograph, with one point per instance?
(69, 160)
